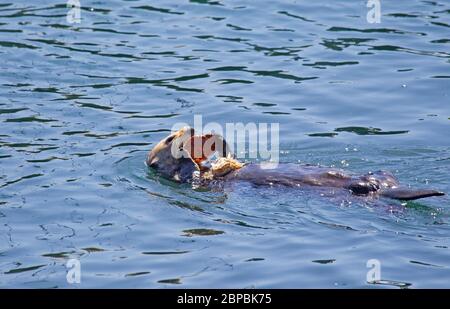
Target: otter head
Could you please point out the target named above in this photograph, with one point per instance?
(170, 159)
(180, 154)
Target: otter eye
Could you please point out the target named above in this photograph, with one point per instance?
(170, 139)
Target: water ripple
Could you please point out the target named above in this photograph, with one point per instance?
(81, 104)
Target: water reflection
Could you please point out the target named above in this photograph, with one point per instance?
(81, 104)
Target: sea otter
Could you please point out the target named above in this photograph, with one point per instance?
(181, 157)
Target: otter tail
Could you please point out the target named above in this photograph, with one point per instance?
(406, 194)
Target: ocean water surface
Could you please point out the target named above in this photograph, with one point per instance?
(82, 103)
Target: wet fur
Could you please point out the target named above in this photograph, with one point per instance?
(381, 183)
